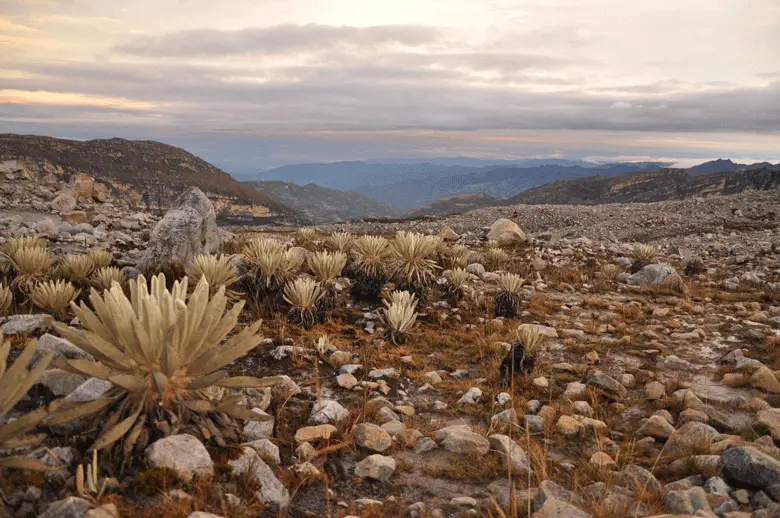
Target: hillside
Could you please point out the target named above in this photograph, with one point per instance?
(662, 185)
(325, 205)
(455, 205)
(144, 172)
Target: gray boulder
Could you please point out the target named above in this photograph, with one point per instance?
(183, 454)
(655, 275)
(748, 466)
(188, 229)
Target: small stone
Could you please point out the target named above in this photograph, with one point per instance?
(575, 391)
(90, 390)
(255, 430)
(541, 382)
(601, 460)
(654, 391)
(104, 511)
(689, 436)
(183, 454)
(313, 433)
(512, 453)
(764, 379)
(471, 397)
(372, 437)
(348, 381)
(433, 377)
(569, 427)
(425, 444)
(605, 383)
(272, 492)
(327, 411)
(657, 427)
(377, 467)
(71, 507)
(687, 502)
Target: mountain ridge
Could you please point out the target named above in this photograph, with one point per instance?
(127, 166)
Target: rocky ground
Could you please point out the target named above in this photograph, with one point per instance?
(644, 400)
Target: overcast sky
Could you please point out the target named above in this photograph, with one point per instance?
(258, 83)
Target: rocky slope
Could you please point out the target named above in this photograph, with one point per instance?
(325, 205)
(644, 401)
(143, 173)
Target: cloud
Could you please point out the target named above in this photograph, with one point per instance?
(277, 39)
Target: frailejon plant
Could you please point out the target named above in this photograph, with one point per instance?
(371, 255)
(458, 283)
(495, 259)
(15, 381)
(270, 267)
(105, 277)
(6, 299)
(30, 265)
(306, 238)
(303, 294)
(339, 242)
(54, 296)
(216, 270)
(399, 316)
(507, 299)
(326, 266)
(415, 268)
(160, 349)
(100, 258)
(643, 255)
(522, 355)
(78, 269)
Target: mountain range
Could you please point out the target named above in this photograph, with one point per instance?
(412, 185)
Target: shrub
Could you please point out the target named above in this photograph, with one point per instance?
(78, 269)
(415, 269)
(399, 315)
(303, 294)
(495, 259)
(305, 238)
(339, 242)
(100, 258)
(216, 270)
(6, 299)
(507, 299)
(105, 277)
(54, 296)
(370, 254)
(31, 265)
(15, 381)
(643, 255)
(160, 349)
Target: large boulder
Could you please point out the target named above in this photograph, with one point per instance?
(507, 233)
(188, 229)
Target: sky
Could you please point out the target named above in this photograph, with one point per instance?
(252, 84)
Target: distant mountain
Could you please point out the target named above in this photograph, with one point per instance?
(325, 205)
(456, 205)
(661, 185)
(410, 183)
(483, 162)
(724, 166)
(146, 172)
(496, 181)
